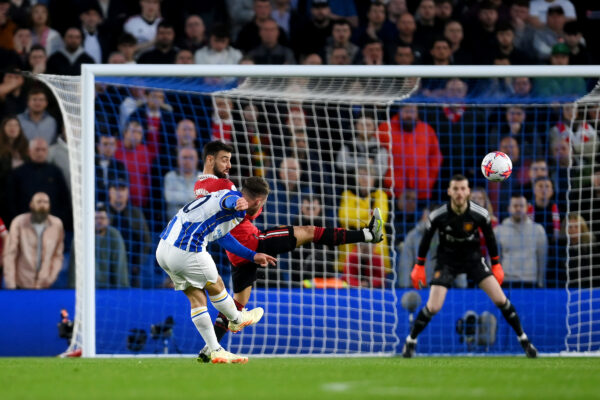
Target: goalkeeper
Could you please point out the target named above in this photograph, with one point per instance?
(216, 157)
(458, 223)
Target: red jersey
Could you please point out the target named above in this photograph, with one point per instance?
(247, 234)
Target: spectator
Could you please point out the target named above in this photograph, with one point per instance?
(546, 37)
(453, 32)
(270, 51)
(441, 52)
(559, 170)
(426, 28)
(285, 16)
(68, 61)
(222, 120)
(539, 11)
(108, 168)
(544, 210)
(364, 150)
(339, 56)
(38, 175)
(13, 153)
(510, 146)
(96, 38)
(157, 119)
(444, 9)
(179, 184)
(37, 59)
(312, 263)
(312, 37)
(523, 247)
(126, 45)
(524, 32)
(407, 27)
(564, 86)
(144, 26)
(42, 33)
(137, 158)
(341, 32)
(364, 267)
(218, 50)
(480, 197)
(288, 189)
(249, 37)
(195, 34)
(505, 36)
(515, 122)
(13, 93)
(356, 205)
(404, 55)
(58, 154)
(23, 41)
(579, 54)
(240, 13)
(406, 213)
(163, 51)
(372, 52)
(33, 255)
(35, 120)
(131, 223)
(583, 265)
(482, 33)
(395, 9)
(521, 87)
(458, 128)
(537, 169)
(116, 57)
(111, 255)
(342, 9)
(417, 157)
(184, 56)
(377, 26)
(7, 26)
(311, 59)
(137, 99)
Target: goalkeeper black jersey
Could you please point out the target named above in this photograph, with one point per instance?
(459, 234)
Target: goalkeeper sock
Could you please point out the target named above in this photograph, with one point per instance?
(510, 315)
(201, 319)
(337, 236)
(222, 323)
(421, 322)
(224, 303)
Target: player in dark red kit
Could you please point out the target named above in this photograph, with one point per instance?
(457, 223)
(282, 239)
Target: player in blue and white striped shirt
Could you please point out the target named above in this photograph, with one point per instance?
(182, 254)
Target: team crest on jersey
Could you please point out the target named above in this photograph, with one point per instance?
(437, 274)
(468, 226)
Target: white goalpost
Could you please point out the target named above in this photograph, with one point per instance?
(300, 319)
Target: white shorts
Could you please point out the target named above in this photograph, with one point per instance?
(186, 268)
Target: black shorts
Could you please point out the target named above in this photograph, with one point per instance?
(445, 273)
(273, 241)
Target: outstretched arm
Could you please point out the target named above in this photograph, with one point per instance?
(229, 243)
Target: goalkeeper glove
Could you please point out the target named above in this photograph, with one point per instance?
(418, 275)
(497, 270)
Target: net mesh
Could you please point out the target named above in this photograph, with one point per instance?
(332, 149)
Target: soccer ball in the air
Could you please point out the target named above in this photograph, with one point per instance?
(496, 166)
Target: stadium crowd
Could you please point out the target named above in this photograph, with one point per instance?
(147, 148)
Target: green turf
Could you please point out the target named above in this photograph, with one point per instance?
(480, 378)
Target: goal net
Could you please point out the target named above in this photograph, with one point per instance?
(332, 146)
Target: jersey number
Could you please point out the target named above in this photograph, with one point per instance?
(192, 205)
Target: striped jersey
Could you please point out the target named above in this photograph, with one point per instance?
(206, 219)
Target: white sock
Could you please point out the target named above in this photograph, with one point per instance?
(523, 337)
(368, 235)
(201, 319)
(411, 340)
(224, 303)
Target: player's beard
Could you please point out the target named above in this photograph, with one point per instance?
(408, 125)
(220, 174)
(37, 217)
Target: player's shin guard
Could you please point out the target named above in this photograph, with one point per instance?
(421, 322)
(337, 236)
(510, 315)
(203, 323)
(224, 303)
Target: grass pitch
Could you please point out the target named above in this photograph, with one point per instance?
(506, 378)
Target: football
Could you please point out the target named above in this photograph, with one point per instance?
(496, 166)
